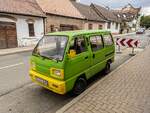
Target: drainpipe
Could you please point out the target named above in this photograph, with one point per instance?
(44, 24)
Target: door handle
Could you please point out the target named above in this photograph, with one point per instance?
(86, 57)
(93, 55)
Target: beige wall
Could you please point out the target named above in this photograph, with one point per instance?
(57, 20)
(81, 24)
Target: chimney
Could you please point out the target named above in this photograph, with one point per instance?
(75, 1)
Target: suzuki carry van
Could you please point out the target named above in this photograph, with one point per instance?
(64, 61)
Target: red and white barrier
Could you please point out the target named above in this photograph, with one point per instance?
(127, 42)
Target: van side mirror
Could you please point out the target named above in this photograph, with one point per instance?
(72, 53)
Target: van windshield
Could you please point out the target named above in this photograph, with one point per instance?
(51, 47)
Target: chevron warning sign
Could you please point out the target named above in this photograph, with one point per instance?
(127, 42)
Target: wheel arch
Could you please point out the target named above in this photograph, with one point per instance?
(71, 82)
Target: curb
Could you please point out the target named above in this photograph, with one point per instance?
(75, 100)
(17, 51)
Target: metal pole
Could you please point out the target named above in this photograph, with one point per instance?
(133, 53)
(133, 50)
(119, 50)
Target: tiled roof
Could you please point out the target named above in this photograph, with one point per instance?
(25, 7)
(105, 13)
(128, 13)
(60, 7)
(119, 15)
(87, 12)
(130, 9)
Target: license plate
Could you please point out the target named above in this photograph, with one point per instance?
(42, 81)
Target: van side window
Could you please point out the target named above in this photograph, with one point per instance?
(96, 43)
(108, 40)
(79, 45)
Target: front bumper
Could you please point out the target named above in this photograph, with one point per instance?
(54, 85)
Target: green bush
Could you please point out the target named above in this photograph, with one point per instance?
(145, 21)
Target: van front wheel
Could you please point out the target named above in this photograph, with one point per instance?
(79, 86)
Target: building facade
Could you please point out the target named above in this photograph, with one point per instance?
(18, 25)
(112, 22)
(71, 16)
(130, 17)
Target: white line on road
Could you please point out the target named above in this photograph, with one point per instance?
(13, 65)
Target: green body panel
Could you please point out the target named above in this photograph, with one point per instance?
(43, 65)
(82, 64)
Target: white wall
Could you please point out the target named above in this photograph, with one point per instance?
(23, 31)
(96, 26)
(113, 27)
(3, 19)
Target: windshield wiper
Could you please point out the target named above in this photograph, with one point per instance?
(45, 57)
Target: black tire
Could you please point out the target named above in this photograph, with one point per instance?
(80, 86)
(107, 68)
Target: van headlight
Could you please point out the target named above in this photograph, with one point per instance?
(58, 73)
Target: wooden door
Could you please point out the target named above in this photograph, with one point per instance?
(3, 41)
(8, 36)
(11, 36)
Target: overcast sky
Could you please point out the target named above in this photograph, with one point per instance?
(145, 4)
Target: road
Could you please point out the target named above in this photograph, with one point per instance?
(19, 95)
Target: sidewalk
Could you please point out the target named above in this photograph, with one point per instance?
(125, 90)
(4, 52)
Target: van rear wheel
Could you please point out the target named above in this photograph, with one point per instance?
(80, 86)
(107, 68)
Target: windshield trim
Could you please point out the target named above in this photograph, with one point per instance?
(38, 55)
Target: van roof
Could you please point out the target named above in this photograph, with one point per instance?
(78, 32)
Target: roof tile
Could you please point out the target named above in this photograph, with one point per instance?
(60, 7)
(87, 11)
(26, 7)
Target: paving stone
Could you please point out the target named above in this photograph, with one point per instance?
(125, 91)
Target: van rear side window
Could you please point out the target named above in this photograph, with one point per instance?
(96, 43)
(108, 40)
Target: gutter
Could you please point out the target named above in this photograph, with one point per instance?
(3, 12)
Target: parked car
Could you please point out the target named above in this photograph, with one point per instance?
(64, 61)
(140, 31)
(148, 28)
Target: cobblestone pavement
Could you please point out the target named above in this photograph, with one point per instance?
(127, 90)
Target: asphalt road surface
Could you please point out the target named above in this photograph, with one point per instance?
(19, 95)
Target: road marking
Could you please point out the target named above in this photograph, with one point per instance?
(13, 65)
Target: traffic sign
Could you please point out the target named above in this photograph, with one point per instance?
(127, 42)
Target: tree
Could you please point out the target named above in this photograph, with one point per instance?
(145, 21)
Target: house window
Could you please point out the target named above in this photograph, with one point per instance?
(116, 25)
(31, 29)
(65, 27)
(90, 26)
(119, 15)
(108, 25)
(52, 28)
(100, 27)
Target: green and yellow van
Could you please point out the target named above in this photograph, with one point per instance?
(64, 61)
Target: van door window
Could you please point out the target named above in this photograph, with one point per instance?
(96, 43)
(79, 45)
(108, 40)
